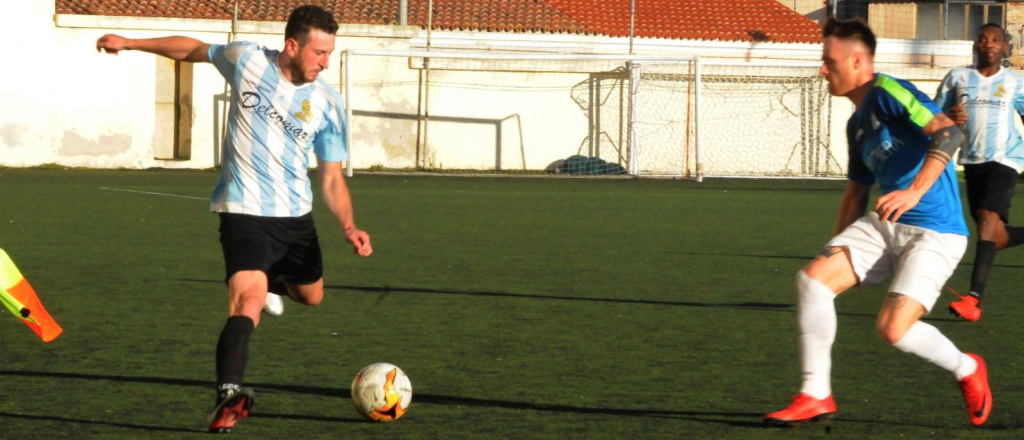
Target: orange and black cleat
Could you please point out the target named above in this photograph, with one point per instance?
(804, 409)
(230, 410)
(977, 393)
(967, 308)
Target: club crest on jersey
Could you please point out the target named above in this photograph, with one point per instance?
(305, 114)
(1000, 91)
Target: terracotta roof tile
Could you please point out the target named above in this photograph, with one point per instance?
(730, 20)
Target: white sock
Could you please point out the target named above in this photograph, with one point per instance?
(929, 343)
(816, 314)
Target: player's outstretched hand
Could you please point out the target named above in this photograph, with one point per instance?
(892, 205)
(957, 114)
(360, 242)
(111, 44)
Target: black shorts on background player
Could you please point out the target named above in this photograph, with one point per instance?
(990, 187)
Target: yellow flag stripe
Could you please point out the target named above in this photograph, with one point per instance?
(9, 275)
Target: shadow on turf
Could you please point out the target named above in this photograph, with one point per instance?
(93, 422)
(386, 290)
(431, 399)
(772, 307)
(742, 305)
(737, 419)
(805, 257)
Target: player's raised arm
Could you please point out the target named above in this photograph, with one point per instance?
(177, 48)
(946, 140)
(337, 199)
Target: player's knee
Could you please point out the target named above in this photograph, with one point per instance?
(989, 224)
(890, 333)
(315, 300)
(309, 296)
(245, 303)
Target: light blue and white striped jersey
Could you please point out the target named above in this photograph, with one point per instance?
(272, 125)
(992, 105)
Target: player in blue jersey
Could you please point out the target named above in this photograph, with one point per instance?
(985, 100)
(915, 234)
(280, 110)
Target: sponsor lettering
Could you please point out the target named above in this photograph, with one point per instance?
(254, 101)
(990, 102)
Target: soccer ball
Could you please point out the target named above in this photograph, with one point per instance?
(381, 392)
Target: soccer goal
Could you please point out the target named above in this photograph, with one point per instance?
(510, 113)
(734, 119)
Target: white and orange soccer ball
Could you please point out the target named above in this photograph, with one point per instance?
(381, 392)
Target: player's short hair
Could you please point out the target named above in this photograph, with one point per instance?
(855, 30)
(993, 26)
(306, 18)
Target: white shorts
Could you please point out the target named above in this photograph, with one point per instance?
(920, 260)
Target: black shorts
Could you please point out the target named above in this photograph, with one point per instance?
(990, 187)
(285, 248)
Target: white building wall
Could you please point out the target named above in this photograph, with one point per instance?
(64, 103)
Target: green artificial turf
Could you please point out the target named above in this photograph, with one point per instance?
(525, 308)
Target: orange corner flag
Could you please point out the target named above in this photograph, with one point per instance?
(17, 295)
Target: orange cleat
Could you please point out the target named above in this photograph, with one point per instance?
(231, 409)
(967, 308)
(803, 409)
(977, 394)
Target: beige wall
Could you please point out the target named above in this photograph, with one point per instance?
(812, 9)
(1015, 27)
(893, 20)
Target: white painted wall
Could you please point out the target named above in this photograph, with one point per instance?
(66, 104)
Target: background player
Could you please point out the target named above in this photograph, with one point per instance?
(984, 100)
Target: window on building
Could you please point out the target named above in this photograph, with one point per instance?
(964, 18)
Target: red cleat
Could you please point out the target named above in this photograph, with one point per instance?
(231, 409)
(977, 394)
(803, 409)
(966, 308)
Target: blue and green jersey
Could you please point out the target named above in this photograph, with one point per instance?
(888, 145)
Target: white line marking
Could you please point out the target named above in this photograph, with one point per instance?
(154, 193)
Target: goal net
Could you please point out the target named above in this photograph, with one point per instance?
(734, 119)
(507, 113)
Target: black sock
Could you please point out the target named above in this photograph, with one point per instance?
(1016, 236)
(984, 256)
(233, 353)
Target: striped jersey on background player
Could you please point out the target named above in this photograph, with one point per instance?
(985, 100)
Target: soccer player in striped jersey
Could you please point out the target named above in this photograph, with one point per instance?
(984, 100)
(915, 234)
(280, 110)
